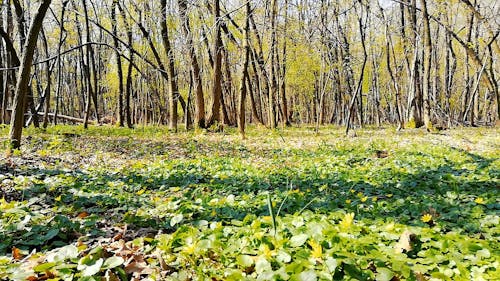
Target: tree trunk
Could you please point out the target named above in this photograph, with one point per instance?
(199, 116)
(114, 24)
(217, 72)
(172, 79)
(59, 72)
(427, 67)
(22, 85)
(274, 62)
(244, 74)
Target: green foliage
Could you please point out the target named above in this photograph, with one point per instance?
(290, 206)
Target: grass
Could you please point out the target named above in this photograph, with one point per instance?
(291, 204)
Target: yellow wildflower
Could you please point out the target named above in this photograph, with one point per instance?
(347, 221)
(364, 199)
(317, 250)
(426, 218)
(479, 200)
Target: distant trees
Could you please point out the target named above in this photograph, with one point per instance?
(349, 63)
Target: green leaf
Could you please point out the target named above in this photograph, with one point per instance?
(308, 276)
(283, 257)
(51, 234)
(44, 266)
(298, 240)
(384, 274)
(91, 270)
(113, 262)
(176, 219)
(332, 264)
(244, 260)
(68, 252)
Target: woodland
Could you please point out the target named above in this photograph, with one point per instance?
(249, 140)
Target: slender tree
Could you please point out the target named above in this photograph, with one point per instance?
(22, 85)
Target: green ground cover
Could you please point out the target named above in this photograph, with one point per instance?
(143, 204)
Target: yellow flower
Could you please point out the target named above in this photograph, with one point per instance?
(190, 248)
(364, 199)
(389, 195)
(347, 221)
(374, 199)
(348, 201)
(426, 218)
(479, 200)
(266, 251)
(317, 250)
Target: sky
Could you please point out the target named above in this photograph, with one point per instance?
(385, 3)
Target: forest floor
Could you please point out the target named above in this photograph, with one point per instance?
(144, 204)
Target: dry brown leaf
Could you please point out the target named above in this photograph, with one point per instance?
(117, 237)
(405, 242)
(16, 253)
(83, 215)
(111, 276)
(420, 276)
(138, 268)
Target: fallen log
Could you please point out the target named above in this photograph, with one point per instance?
(63, 117)
(67, 118)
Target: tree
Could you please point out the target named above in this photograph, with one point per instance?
(22, 85)
(217, 69)
(427, 66)
(244, 73)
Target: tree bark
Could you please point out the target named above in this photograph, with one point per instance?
(114, 26)
(427, 67)
(244, 74)
(172, 79)
(22, 85)
(217, 69)
(199, 117)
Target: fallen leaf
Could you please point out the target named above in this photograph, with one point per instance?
(16, 253)
(83, 215)
(138, 268)
(405, 242)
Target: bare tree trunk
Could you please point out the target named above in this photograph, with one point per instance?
(274, 62)
(284, 105)
(59, 68)
(217, 73)
(199, 117)
(22, 85)
(114, 24)
(427, 67)
(173, 88)
(359, 87)
(59, 72)
(128, 83)
(244, 75)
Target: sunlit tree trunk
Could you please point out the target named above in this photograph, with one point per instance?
(217, 69)
(427, 58)
(22, 85)
(173, 88)
(244, 74)
(199, 116)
